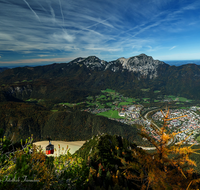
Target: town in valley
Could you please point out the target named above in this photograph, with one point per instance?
(183, 121)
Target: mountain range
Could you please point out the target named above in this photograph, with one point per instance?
(73, 82)
(109, 150)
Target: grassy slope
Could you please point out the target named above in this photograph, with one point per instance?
(111, 114)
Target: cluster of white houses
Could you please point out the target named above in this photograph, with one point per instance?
(186, 127)
(132, 111)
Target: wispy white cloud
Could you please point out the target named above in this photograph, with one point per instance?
(32, 10)
(92, 27)
(61, 12)
(179, 56)
(172, 47)
(103, 49)
(154, 49)
(63, 36)
(44, 55)
(52, 13)
(5, 37)
(26, 61)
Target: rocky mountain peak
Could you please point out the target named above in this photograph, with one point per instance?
(141, 60)
(142, 64)
(94, 62)
(143, 55)
(91, 62)
(123, 61)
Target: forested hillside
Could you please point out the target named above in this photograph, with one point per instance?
(104, 162)
(74, 81)
(20, 120)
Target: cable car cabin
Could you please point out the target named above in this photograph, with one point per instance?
(50, 148)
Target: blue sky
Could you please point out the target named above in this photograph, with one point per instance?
(36, 32)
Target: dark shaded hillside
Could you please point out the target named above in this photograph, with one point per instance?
(107, 155)
(82, 126)
(43, 89)
(3, 69)
(184, 80)
(103, 145)
(104, 154)
(20, 120)
(73, 81)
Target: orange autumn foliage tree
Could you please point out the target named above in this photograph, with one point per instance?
(168, 167)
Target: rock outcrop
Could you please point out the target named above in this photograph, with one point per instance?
(142, 64)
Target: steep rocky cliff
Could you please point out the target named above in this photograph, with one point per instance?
(145, 65)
